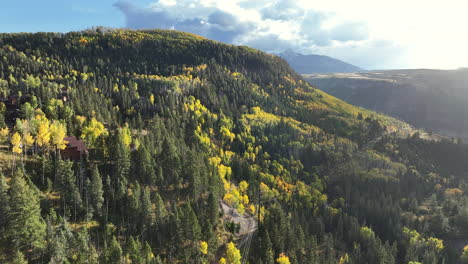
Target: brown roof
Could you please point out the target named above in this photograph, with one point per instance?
(73, 142)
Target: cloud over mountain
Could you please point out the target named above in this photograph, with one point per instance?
(273, 26)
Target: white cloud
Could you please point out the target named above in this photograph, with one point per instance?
(368, 33)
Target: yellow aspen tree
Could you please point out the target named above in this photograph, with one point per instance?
(4, 132)
(16, 146)
(126, 135)
(42, 137)
(43, 131)
(28, 140)
(233, 255)
(283, 259)
(16, 143)
(58, 131)
(92, 131)
(203, 247)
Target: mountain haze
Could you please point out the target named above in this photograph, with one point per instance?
(307, 64)
(436, 100)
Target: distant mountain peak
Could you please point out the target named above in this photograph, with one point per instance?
(312, 63)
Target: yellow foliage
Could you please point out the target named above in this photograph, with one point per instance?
(58, 131)
(83, 41)
(226, 134)
(43, 131)
(241, 209)
(126, 135)
(16, 143)
(214, 161)
(252, 209)
(344, 259)
(437, 244)
(222, 261)
(93, 130)
(224, 171)
(233, 255)
(28, 140)
(80, 119)
(245, 199)
(4, 134)
(243, 185)
(203, 247)
(226, 185)
(151, 99)
(282, 259)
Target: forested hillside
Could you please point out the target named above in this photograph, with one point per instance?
(128, 146)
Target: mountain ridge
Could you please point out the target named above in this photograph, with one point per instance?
(312, 63)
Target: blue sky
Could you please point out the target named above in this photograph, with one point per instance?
(58, 15)
(372, 34)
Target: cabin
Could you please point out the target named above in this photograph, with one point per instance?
(75, 150)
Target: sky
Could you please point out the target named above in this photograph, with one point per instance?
(371, 34)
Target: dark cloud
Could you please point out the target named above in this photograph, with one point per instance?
(218, 25)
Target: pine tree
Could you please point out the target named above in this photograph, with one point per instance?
(161, 211)
(213, 209)
(121, 159)
(97, 193)
(66, 184)
(134, 251)
(147, 211)
(4, 205)
(191, 225)
(144, 167)
(18, 258)
(147, 253)
(170, 162)
(268, 257)
(113, 253)
(26, 228)
(192, 168)
(158, 260)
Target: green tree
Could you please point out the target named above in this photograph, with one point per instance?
(97, 192)
(26, 228)
(18, 258)
(4, 204)
(121, 159)
(113, 253)
(134, 251)
(144, 167)
(147, 214)
(170, 162)
(66, 184)
(161, 211)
